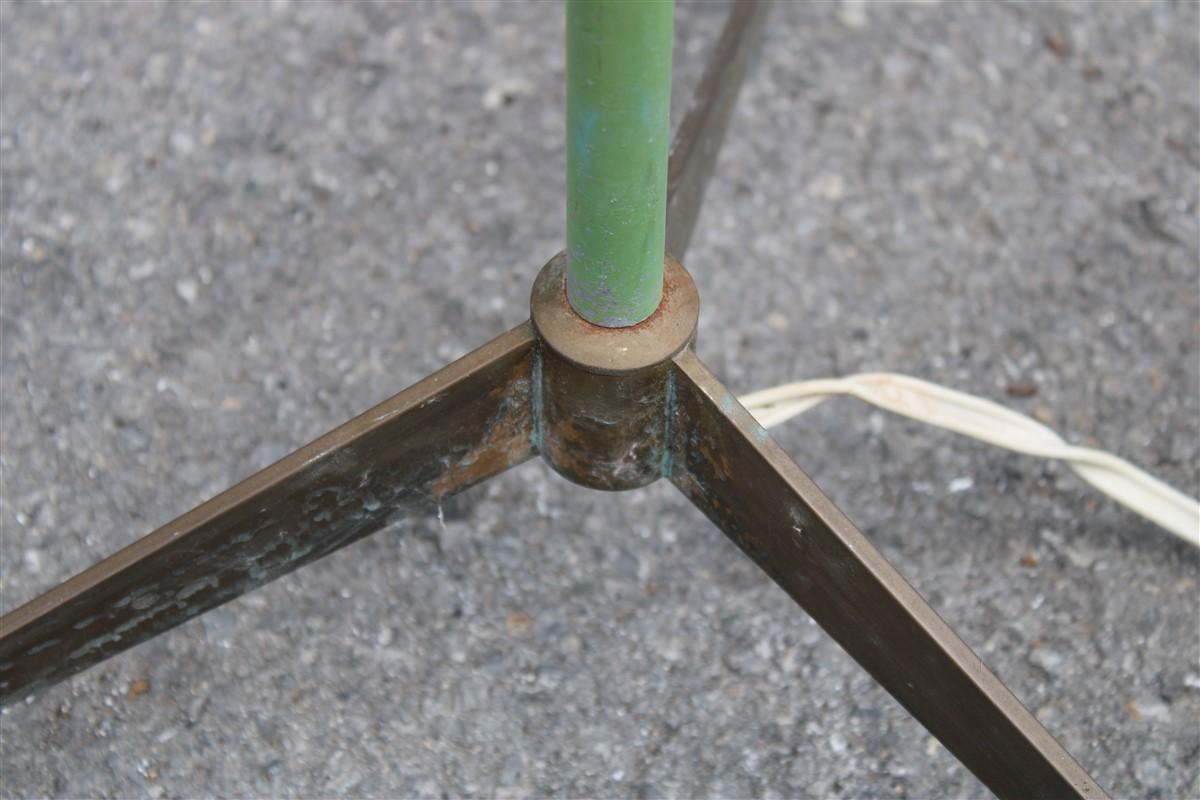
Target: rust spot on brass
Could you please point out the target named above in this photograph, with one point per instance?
(504, 442)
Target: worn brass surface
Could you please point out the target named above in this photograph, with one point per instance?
(603, 431)
(461, 425)
(732, 470)
(602, 395)
(615, 351)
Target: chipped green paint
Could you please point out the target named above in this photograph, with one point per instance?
(618, 107)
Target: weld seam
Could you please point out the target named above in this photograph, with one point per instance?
(535, 434)
(668, 456)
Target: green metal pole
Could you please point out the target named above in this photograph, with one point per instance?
(618, 108)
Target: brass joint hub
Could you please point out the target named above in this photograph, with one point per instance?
(603, 397)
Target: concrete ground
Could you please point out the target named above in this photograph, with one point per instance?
(227, 228)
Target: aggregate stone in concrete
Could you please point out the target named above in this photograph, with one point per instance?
(226, 228)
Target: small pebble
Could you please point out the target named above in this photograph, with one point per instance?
(140, 272)
(1150, 772)
(853, 13)
(1148, 708)
(1056, 45)
(518, 624)
(32, 249)
(1047, 659)
(188, 290)
(960, 485)
(505, 92)
(182, 144)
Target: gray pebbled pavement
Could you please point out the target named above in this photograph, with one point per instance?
(227, 228)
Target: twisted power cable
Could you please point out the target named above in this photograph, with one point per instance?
(992, 423)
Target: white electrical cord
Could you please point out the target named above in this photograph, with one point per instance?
(989, 422)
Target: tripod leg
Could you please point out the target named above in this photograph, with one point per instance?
(730, 468)
(698, 140)
(457, 427)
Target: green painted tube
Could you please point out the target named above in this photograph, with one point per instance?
(618, 109)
